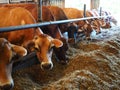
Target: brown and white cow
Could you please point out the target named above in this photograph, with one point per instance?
(54, 31)
(8, 52)
(32, 39)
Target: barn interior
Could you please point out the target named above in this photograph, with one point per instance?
(91, 64)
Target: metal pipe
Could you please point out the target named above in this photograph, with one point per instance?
(84, 11)
(39, 10)
(20, 27)
(100, 11)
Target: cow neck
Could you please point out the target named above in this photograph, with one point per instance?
(82, 24)
(37, 31)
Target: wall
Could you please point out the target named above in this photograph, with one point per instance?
(79, 4)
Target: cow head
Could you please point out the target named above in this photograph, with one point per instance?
(8, 52)
(104, 24)
(61, 52)
(96, 25)
(54, 31)
(63, 27)
(42, 45)
(86, 28)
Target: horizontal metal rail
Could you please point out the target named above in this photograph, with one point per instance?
(20, 27)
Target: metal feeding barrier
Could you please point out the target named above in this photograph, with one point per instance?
(20, 27)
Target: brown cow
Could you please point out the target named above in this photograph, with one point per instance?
(96, 23)
(54, 31)
(32, 7)
(59, 15)
(8, 51)
(39, 41)
(73, 13)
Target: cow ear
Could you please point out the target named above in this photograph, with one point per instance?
(19, 50)
(57, 43)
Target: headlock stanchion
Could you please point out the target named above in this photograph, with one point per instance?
(14, 28)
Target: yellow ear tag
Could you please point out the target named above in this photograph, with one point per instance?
(22, 22)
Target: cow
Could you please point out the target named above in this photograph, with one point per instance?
(33, 38)
(8, 54)
(32, 7)
(96, 23)
(84, 25)
(54, 31)
(59, 15)
(64, 27)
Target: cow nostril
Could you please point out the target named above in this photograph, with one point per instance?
(7, 87)
(46, 66)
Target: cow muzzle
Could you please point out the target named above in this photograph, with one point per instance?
(46, 65)
(7, 86)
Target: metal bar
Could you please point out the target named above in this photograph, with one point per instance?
(41, 10)
(84, 11)
(39, 6)
(20, 27)
(100, 11)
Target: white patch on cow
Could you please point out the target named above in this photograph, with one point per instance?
(93, 34)
(65, 35)
(7, 83)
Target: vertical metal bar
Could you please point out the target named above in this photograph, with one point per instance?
(9, 1)
(84, 13)
(39, 10)
(100, 11)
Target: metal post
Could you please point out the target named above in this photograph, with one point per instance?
(9, 1)
(39, 10)
(100, 11)
(84, 13)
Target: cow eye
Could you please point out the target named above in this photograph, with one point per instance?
(6, 42)
(36, 49)
(35, 37)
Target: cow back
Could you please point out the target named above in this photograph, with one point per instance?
(15, 17)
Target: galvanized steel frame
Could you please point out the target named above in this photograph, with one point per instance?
(20, 27)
